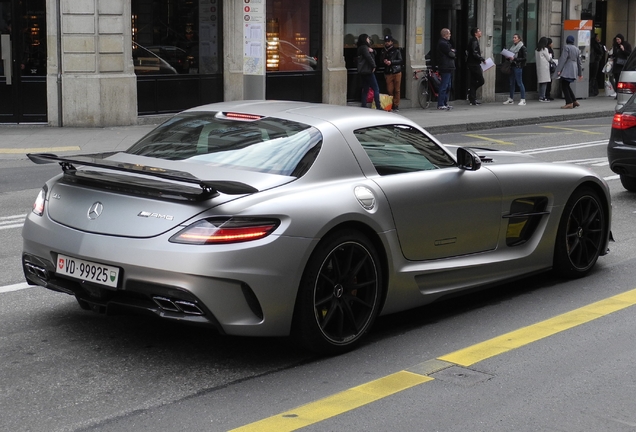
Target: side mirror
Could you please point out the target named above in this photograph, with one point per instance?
(468, 159)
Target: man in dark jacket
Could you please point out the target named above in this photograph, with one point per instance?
(446, 66)
(392, 70)
(473, 61)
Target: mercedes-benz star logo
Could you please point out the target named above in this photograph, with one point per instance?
(95, 211)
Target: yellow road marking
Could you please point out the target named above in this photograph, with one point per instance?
(337, 404)
(38, 150)
(364, 394)
(485, 138)
(574, 130)
(527, 335)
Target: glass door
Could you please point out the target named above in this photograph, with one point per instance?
(22, 61)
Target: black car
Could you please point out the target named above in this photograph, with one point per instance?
(621, 150)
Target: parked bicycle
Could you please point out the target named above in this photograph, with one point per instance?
(428, 86)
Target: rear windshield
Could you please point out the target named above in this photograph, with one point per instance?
(267, 145)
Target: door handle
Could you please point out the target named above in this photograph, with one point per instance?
(5, 52)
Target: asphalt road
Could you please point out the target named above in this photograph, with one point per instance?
(65, 369)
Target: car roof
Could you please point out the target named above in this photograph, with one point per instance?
(313, 113)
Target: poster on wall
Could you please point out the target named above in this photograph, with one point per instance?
(253, 12)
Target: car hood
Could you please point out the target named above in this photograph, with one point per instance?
(136, 196)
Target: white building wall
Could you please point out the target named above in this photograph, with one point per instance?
(90, 75)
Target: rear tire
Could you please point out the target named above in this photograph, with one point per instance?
(423, 95)
(581, 234)
(339, 295)
(629, 183)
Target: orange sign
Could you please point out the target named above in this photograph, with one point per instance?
(578, 25)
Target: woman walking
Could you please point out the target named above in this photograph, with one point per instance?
(568, 69)
(621, 49)
(516, 74)
(543, 68)
(366, 69)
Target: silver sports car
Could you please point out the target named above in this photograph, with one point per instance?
(264, 218)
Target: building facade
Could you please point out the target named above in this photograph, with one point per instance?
(112, 62)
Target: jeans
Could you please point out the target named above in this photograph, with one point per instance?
(368, 80)
(516, 78)
(542, 88)
(444, 89)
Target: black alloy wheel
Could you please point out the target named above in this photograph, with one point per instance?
(339, 296)
(581, 234)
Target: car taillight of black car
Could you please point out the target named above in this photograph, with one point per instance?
(623, 121)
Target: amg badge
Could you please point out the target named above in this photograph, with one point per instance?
(155, 215)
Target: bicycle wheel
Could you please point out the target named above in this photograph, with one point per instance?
(423, 96)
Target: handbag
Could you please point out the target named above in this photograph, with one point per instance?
(506, 67)
(608, 66)
(552, 67)
(620, 61)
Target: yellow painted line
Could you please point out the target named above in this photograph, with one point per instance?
(364, 394)
(485, 138)
(38, 150)
(527, 335)
(574, 130)
(337, 404)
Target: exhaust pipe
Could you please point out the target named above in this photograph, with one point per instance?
(37, 271)
(182, 306)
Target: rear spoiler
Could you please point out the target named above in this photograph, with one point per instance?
(209, 188)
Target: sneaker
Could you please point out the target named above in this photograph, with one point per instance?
(396, 109)
(475, 103)
(509, 101)
(544, 100)
(522, 102)
(443, 108)
(449, 107)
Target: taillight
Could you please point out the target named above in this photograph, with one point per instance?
(38, 205)
(626, 87)
(224, 231)
(623, 121)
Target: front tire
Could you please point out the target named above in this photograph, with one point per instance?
(581, 234)
(423, 95)
(339, 295)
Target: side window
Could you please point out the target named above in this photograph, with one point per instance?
(396, 149)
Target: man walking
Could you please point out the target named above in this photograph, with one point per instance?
(473, 61)
(446, 67)
(392, 70)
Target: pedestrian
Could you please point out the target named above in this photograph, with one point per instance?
(596, 54)
(392, 70)
(474, 61)
(366, 71)
(543, 60)
(516, 73)
(548, 89)
(621, 49)
(446, 66)
(568, 69)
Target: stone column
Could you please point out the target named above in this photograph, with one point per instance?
(485, 12)
(93, 84)
(415, 38)
(334, 71)
(232, 50)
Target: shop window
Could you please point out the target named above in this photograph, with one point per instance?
(176, 36)
(292, 41)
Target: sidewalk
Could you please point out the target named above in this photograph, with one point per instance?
(17, 140)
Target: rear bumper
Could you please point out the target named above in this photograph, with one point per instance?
(241, 289)
(622, 158)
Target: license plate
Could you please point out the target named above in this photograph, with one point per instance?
(87, 271)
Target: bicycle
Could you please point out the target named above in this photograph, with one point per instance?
(426, 91)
